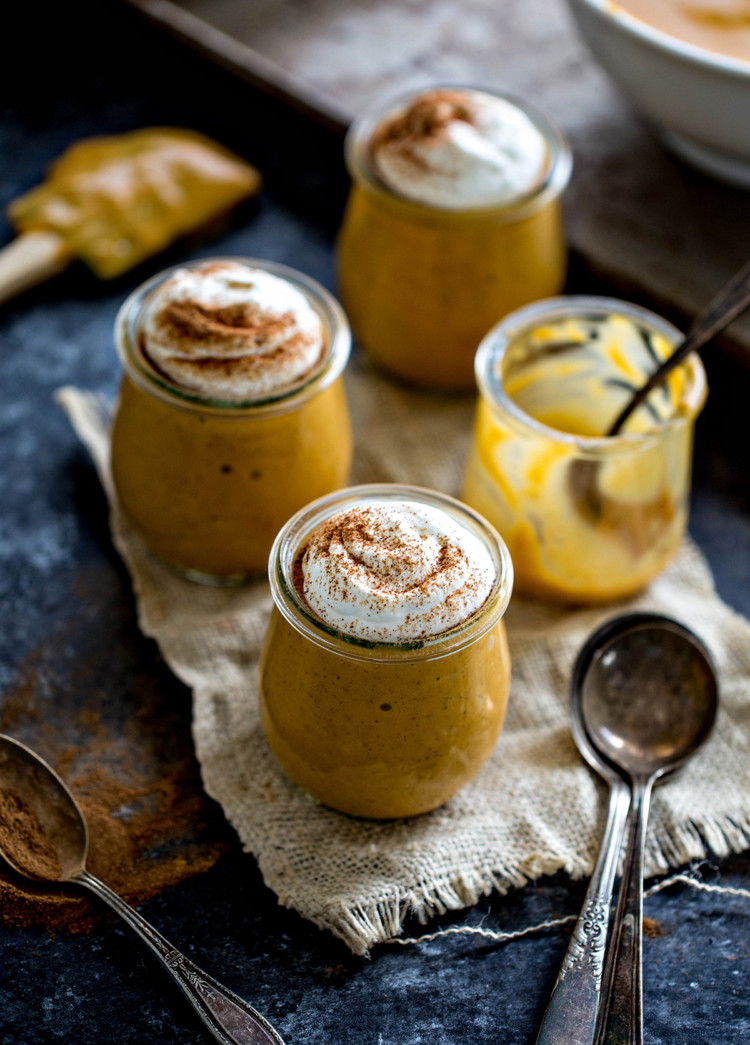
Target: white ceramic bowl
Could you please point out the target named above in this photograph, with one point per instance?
(697, 100)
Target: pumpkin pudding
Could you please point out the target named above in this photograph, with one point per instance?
(721, 26)
(453, 220)
(587, 517)
(231, 413)
(385, 670)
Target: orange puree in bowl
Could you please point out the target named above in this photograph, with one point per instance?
(718, 25)
(117, 200)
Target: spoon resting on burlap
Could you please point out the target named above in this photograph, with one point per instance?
(729, 303)
(43, 836)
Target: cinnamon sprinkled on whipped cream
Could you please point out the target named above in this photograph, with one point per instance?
(457, 149)
(229, 331)
(395, 572)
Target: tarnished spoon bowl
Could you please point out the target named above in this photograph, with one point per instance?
(649, 700)
(24, 774)
(650, 695)
(57, 844)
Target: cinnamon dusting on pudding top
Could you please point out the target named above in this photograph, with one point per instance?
(458, 148)
(429, 117)
(394, 572)
(229, 331)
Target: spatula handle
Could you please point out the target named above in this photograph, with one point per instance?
(30, 259)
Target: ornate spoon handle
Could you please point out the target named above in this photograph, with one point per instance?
(571, 1014)
(621, 1016)
(229, 1019)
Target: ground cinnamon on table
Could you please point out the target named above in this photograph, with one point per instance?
(652, 929)
(134, 846)
(23, 839)
(128, 759)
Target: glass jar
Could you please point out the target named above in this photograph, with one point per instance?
(380, 729)
(207, 483)
(422, 285)
(587, 518)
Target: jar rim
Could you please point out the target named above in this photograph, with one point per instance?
(332, 316)
(295, 533)
(557, 176)
(495, 344)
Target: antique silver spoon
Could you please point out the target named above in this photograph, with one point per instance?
(570, 1017)
(60, 853)
(648, 701)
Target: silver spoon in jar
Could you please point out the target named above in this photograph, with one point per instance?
(53, 848)
(648, 701)
(728, 304)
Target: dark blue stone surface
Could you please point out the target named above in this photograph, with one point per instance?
(67, 612)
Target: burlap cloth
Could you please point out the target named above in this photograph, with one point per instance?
(533, 809)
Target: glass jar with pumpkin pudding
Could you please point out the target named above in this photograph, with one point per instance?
(385, 670)
(453, 220)
(231, 413)
(587, 517)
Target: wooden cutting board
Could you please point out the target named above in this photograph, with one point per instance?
(636, 215)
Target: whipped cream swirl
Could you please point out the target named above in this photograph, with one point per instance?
(395, 572)
(229, 331)
(457, 149)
